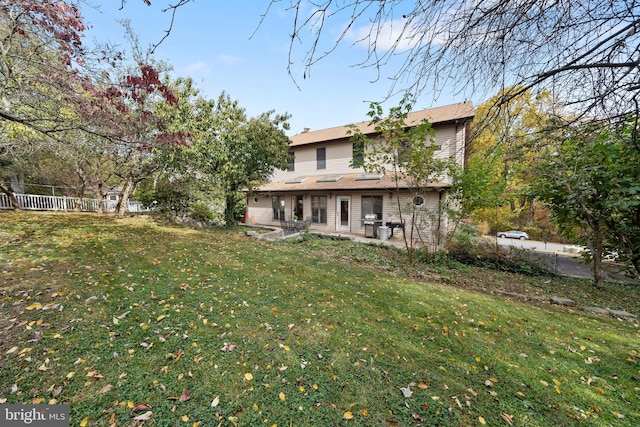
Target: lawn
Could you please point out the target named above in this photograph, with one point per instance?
(133, 322)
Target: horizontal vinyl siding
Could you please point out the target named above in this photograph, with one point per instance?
(338, 158)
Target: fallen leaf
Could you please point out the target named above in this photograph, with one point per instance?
(248, 376)
(34, 306)
(508, 418)
(347, 415)
(141, 407)
(84, 422)
(482, 421)
(423, 385)
(94, 374)
(105, 389)
(282, 396)
(185, 395)
(229, 347)
(215, 402)
(406, 392)
(144, 417)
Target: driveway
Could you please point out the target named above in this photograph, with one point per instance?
(565, 259)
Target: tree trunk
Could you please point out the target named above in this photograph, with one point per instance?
(124, 198)
(595, 243)
(11, 196)
(230, 210)
(101, 195)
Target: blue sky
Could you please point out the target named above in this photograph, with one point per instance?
(219, 45)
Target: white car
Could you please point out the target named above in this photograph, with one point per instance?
(513, 234)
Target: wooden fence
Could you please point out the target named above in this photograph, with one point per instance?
(61, 203)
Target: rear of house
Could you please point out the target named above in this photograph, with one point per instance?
(322, 183)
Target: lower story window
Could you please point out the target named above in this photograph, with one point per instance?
(372, 205)
(319, 209)
(277, 203)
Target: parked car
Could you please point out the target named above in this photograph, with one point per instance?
(513, 234)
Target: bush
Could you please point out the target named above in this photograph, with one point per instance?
(200, 212)
(485, 253)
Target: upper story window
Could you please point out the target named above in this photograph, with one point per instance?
(358, 154)
(321, 156)
(291, 161)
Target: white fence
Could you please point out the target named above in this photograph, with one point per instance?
(56, 203)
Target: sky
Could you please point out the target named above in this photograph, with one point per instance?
(224, 46)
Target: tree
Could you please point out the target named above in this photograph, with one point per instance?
(510, 145)
(406, 150)
(226, 151)
(590, 182)
(587, 53)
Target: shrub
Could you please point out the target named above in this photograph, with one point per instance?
(200, 212)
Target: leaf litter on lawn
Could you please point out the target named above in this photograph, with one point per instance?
(318, 339)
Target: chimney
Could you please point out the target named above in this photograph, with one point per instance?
(306, 130)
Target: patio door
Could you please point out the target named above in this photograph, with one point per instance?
(343, 213)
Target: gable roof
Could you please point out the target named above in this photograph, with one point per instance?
(446, 113)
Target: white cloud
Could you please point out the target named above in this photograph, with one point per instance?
(391, 34)
(229, 59)
(199, 68)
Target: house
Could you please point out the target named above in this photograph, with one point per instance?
(320, 182)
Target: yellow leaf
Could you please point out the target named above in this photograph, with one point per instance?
(37, 401)
(255, 407)
(84, 422)
(347, 415)
(34, 306)
(162, 316)
(70, 375)
(12, 350)
(482, 421)
(248, 376)
(282, 396)
(184, 418)
(215, 402)
(196, 424)
(164, 369)
(364, 412)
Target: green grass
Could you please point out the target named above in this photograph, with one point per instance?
(103, 314)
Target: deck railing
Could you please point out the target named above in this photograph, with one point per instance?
(62, 203)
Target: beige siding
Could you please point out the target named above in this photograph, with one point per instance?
(449, 137)
(338, 158)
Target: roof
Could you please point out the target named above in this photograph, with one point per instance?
(447, 113)
(355, 181)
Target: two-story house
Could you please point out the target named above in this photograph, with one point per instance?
(321, 181)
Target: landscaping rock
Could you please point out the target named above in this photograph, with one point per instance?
(563, 301)
(622, 314)
(597, 310)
